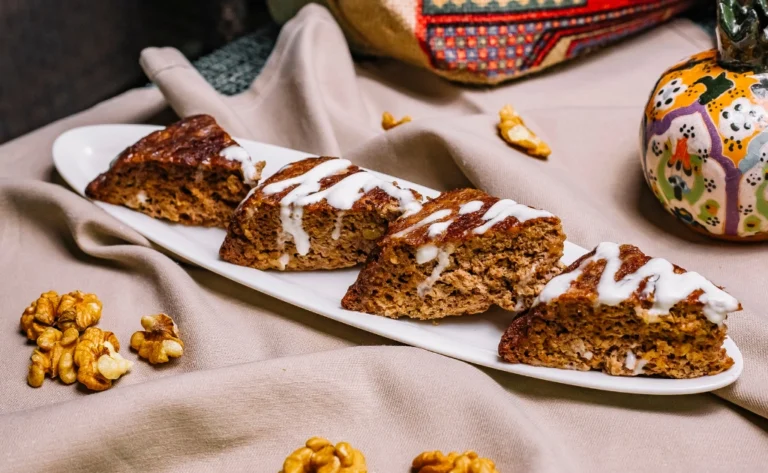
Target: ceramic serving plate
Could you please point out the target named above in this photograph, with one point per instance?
(82, 153)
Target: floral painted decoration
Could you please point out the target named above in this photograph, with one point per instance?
(704, 136)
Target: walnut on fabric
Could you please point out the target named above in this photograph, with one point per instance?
(54, 356)
(321, 456)
(388, 121)
(513, 130)
(75, 309)
(467, 462)
(160, 339)
(98, 360)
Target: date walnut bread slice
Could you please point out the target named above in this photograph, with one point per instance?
(317, 213)
(462, 253)
(625, 313)
(191, 172)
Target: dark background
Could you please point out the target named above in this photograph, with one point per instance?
(58, 57)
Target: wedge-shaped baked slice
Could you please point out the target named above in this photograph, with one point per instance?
(191, 172)
(625, 313)
(318, 213)
(462, 253)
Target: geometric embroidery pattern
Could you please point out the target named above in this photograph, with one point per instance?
(500, 39)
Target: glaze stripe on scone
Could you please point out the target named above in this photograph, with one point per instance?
(317, 213)
(191, 172)
(462, 253)
(625, 313)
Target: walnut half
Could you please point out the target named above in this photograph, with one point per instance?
(467, 462)
(54, 357)
(76, 309)
(320, 456)
(40, 315)
(513, 130)
(98, 360)
(160, 340)
(79, 310)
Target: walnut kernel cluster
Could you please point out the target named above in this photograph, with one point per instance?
(160, 339)
(321, 456)
(76, 309)
(467, 462)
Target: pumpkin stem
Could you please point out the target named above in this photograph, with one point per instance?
(742, 34)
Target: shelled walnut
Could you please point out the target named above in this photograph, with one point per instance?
(79, 310)
(388, 121)
(76, 309)
(40, 315)
(513, 130)
(54, 357)
(467, 462)
(160, 340)
(320, 456)
(98, 360)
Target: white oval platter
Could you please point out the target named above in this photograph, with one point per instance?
(82, 153)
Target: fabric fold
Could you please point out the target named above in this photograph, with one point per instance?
(259, 376)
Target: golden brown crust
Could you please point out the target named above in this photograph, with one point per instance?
(192, 141)
(179, 174)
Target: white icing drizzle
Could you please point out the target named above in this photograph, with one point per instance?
(443, 260)
(247, 163)
(440, 214)
(438, 228)
(470, 207)
(141, 197)
(337, 226)
(342, 195)
(508, 208)
(666, 287)
(426, 253)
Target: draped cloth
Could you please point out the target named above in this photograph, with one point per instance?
(259, 376)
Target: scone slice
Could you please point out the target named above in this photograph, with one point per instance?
(191, 172)
(317, 213)
(619, 311)
(462, 253)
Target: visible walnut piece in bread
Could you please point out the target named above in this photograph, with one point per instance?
(462, 253)
(317, 213)
(625, 313)
(191, 172)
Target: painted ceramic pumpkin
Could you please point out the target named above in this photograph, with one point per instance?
(705, 135)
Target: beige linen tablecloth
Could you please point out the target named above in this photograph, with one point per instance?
(259, 376)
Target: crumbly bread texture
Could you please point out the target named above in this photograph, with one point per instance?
(657, 327)
(317, 213)
(462, 253)
(191, 172)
